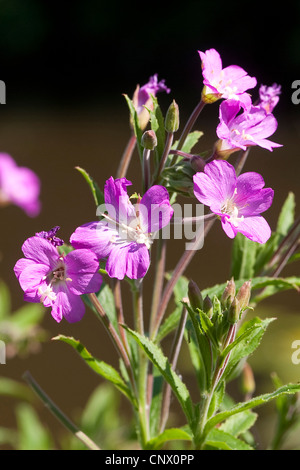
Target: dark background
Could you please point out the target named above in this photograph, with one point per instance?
(66, 66)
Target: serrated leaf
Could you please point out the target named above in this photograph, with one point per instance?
(247, 341)
(239, 423)
(100, 367)
(157, 357)
(223, 441)
(96, 192)
(172, 434)
(248, 405)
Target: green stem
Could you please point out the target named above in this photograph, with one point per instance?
(64, 420)
(142, 378)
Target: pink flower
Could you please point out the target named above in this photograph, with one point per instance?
(269, 97)
(238, 201)
(57, 281)
(142, 97)
(19, 186)
(126, 232)
(228, 83)
(239, 131)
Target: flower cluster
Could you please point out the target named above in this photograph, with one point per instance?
(123, 236)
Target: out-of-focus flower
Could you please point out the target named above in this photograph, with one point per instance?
(19, 186)
(228, 83)
(238, 201)
(239, 131)
(57, 281)
(142, 97)
(126, 232)
(269, 96)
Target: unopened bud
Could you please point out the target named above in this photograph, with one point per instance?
(195, 296)
(244, 294)
(197, 163)
(247, 382)
(172, 118)
(228, 294)
(208, 307)
(149, 140)
(234, 311)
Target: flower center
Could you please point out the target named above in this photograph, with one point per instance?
(131, 231)
(230, 209)
(58, 275)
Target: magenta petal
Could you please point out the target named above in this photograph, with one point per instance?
(94, 236)
(117, 202)
(255, 228)
(32, 276)
(69, 306)
(228, 228)
(155, 209)
(21, 264)
(128, 259)
(41, 251)
(216, 184)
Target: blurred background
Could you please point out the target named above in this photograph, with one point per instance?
(66, 69)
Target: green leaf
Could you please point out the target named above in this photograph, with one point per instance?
(204, 352)
(12, 388)
(191, 140)
(224, 441)
(172, 434)
(284, 224)
(246, 342)
(243, 257)
(157, 357)
(239, 423)
(287, 215)
(96, 192)
(32, 434)
(100, 367)
(248, 405)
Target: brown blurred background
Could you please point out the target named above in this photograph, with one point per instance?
(65, 70)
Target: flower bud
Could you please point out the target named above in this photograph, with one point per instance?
(247, 382)
(234, 310)
(172, 118)
(197, 163)
(228, 294)
(195, 296)
(243, 295)
(149, 140)
(208, 307)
